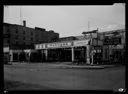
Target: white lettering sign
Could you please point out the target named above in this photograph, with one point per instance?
(40, 46)
(37, 46)
(6, 49)
(117, 47)
(57, 45)
(80, 43)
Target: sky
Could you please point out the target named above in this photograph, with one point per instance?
(68, 20)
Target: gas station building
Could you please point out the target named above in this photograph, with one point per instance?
(76, 50)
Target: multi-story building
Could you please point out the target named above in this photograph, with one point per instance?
(114, 46)
(22, 37)
(43, 36)
(17, 37)
(96, 48)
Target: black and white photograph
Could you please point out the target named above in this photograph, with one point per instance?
(64, 47)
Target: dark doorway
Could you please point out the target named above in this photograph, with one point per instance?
(15, 57)
(97, 57)
(22, 57)
(60, 54)
(80, 55)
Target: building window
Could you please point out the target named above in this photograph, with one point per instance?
(17, 37)
(23, 43)
(8, 41)
(31, 39)
(16, 42)
(106, 53)
(8, 30)
(31, 44)
(16, 30)
(23, 31)
(31, 33)
(23, 38)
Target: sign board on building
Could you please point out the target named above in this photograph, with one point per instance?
(43, 46)
(27, 50)
(97, 42)
(98, 49)
(112, 41)
(16, 51)
(94, 35)
(117, 47)
(59, 45)
(6, 49)
(40, 46)
(37, 46)
(80, 43)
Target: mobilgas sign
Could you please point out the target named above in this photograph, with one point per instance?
(59, 45)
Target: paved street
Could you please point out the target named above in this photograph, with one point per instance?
(52, 77)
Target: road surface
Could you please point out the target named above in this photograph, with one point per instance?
(51, 77)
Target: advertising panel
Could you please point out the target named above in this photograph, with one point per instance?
(80, 43)
(40, 46)
(6, 49)
(117, 46)
(112, 41)
(37, 46)
(59, 45)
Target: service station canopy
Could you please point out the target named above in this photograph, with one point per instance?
(62, 44)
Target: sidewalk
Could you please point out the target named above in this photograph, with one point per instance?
(83, 66)
(68, 65)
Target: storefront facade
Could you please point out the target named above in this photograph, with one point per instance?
(117, 54)
(6, 55)
(21, 55)
(114, 49)
(65, 51)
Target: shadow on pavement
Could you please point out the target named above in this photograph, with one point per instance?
(17, 85)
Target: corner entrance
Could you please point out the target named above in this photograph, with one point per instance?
(66, 54)
(60, 54)
(80, 54)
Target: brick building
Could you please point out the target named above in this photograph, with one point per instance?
(17, 38)
(22, 37)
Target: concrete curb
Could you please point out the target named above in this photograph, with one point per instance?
(72, 66)
(84, 67)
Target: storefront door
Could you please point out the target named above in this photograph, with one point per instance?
(97, 57)
(80, 54)
(15, 57)
(60, 54)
